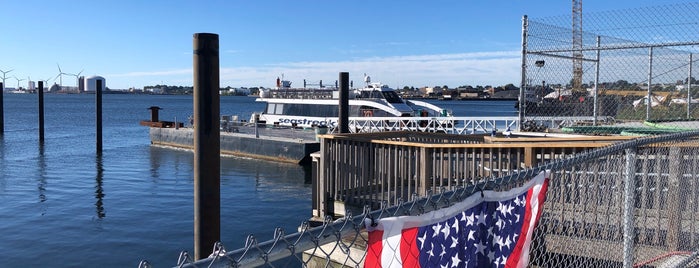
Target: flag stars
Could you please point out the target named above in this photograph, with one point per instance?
(431, 251)
(482, 218)
(454, 242)
(505, 209)
(491, 256)
(469, 219)
(422, 239)
(500, 224)
(499, 241)
(444, 251)
(446, 231)
(455, 261)
(486, 233)
(508, 242)
(480, 248)
(436, 229)
(503, 260)
(470, 235)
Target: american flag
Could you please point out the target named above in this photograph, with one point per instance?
(487, 229)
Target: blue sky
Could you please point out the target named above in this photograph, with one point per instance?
(134, 43)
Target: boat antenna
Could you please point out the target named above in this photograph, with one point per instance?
(367, 79)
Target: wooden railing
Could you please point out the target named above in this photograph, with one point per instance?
(355, 170)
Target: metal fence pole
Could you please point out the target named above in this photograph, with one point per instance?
(629, 186)
(522, 84)
(207, 144)
(595, 109)
(689, 86)
(650, 79)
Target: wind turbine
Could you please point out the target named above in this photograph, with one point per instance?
(18, 80)
(60, 76)
(4, 73)
(77, 79)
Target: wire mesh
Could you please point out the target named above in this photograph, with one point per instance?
(632, 204)
(582, 225)
(622, 53)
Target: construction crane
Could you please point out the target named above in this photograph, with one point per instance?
(577, 46)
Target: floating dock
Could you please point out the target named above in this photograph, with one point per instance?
(281, 145)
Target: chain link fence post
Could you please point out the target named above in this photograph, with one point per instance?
(629, 186)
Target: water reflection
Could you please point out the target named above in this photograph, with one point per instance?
(179, 164)
(41, 184)
(99, 192)
(263, 170)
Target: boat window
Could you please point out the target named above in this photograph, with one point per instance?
(270, 108)
(354, 111)
(372, 94)
(308, 110)
(382, 113)
(279, 109)
(368, 111)
(392, 97)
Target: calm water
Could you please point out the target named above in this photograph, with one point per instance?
(62, 206)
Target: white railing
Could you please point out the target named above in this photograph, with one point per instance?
(455, 125)
(452, 125)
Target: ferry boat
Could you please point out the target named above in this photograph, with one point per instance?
(318, 107)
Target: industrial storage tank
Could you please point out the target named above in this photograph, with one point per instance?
(91, 83)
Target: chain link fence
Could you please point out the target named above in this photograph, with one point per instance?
(631, 204)
(615, 58)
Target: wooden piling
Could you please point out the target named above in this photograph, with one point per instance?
(344, 103)
(207, 162)
(98, 116)
(41, 111)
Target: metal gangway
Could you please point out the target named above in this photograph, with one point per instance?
(460, 125)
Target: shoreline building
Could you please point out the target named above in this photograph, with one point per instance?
(91, 83)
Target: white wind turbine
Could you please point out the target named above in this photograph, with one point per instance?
(46, 83)
(4, 74)
(18, 80)
(60, 77)
(77, 79)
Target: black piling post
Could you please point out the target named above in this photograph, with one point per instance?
(343, 120)
(98, 112)
(2, 110)
(154, 117)
(207, 162)
(41, 111)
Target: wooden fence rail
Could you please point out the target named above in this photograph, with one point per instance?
(354, 170)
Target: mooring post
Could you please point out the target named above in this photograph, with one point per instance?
(41, 111)
(343, 120)
(98, 115)
(2, 110)
(207, 162)
(154, 117)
